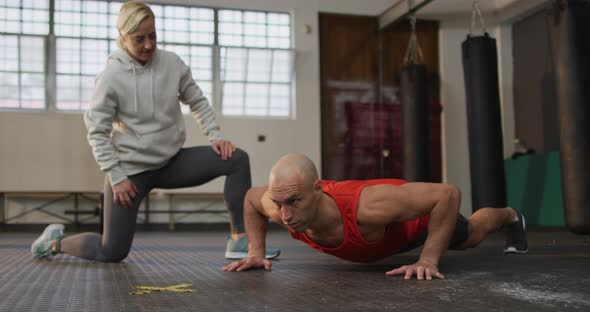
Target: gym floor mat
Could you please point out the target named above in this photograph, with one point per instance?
(554, 276)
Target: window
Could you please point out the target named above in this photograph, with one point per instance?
(23, 27)
(255, 63)
(256, 82)
(242, 60)
(84, 39)
(190, 34)
(24, 17)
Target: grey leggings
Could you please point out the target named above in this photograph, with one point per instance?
(190, 167)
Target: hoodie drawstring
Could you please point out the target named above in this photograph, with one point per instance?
(152, 91)
(135, 85)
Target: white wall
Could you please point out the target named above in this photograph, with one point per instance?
(454, 117)
(455, 152)
(47, 151)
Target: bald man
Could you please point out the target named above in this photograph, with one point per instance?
(363, 221)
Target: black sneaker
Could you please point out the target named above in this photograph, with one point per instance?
(516, 236)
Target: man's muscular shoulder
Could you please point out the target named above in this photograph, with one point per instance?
(379, 204)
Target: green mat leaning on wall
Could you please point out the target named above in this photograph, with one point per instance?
(534, 186)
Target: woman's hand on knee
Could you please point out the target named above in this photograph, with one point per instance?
(223, 148)
(123, 193)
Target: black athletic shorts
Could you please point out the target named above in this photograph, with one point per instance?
(460, 235)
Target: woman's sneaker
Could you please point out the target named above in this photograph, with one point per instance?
(238, 249)
(41, 248)
(516, 241)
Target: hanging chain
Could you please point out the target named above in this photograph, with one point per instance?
(413, 53)
(477, 12)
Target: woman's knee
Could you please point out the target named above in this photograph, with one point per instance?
(115, 258)
(241, 157)
(115, 254)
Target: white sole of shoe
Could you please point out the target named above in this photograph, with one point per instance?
(514, 250)
(235, 255)
(241, 255)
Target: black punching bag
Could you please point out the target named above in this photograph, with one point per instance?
(486, 163)
(571, 32)
(415, 127)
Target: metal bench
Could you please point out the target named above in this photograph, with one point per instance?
(51, 198)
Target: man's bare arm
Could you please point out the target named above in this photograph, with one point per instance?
(385, 204)
(256, 221)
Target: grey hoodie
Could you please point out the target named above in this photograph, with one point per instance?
(135, 122)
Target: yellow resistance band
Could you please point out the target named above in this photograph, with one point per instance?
(180, 288)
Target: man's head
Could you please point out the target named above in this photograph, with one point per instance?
(295, 188)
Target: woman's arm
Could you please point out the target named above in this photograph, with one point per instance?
(98, 119)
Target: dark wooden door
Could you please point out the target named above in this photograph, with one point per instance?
(361, 122)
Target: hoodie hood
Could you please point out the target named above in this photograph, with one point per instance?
(124, 62)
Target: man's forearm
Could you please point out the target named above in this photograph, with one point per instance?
(256, 224)
(441, 225)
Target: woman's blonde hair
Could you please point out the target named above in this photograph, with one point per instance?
(132, 13)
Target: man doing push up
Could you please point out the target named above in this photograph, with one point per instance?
(363, 221)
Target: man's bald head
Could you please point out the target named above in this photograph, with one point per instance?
(294, 168)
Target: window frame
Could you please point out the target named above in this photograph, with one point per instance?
(51, 74)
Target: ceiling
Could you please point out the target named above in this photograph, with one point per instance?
(458, 6)
(499, 11)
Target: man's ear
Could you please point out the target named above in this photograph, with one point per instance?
(317, 186)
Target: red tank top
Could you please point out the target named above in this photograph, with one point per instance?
(354, 247)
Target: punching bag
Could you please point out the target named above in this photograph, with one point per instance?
(484, 121)
(570, 30)
(415, 127)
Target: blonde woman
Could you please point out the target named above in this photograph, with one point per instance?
(136, 130)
